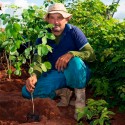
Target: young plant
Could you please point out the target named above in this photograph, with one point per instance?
(96, 112)
(11, 39)
(121, 95)
(23, 32)
(33, 28)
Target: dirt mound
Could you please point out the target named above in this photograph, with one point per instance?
(16, 110)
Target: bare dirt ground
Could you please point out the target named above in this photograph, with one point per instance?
(16, 110)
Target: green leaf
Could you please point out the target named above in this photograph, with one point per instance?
(96, 122)
(16, 27)
(9, 71)
(46, 4)
(44, 68)
(50, 36)
(8, 27)
(49, 48)
(115, 59)
(27, 52)
(41, 34)
(17, 72)
(30, 70)
(122, 95)
(5, 43)
(9, 34)
(30, 29)
(12, 57)
(5, 21)
(13, 33)
(17, 43)
(13, 48)
(17, 65)
(33, 64)
(44, 50)
(102, 59)
(14, 53)
(48, 65)
(44, 40)
(3, 16)
(49, 26)
(23, 60)
(39, 50)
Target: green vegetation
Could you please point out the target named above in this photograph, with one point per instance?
(107, 36)
(24, 31)
(96, 112)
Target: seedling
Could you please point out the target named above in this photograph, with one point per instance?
(32, 117)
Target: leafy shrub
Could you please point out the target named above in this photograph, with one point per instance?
(25, 31)
(107, 36)
(96, 112)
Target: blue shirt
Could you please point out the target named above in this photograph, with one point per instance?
(72, 39)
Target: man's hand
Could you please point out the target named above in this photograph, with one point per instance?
(62, 61)
(30, 83)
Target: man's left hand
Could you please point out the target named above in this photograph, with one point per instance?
(62, 61)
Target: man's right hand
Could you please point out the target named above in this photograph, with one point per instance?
(30, 83)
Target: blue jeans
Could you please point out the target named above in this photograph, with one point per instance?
(76, 75)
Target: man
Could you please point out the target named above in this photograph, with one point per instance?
(71, 52)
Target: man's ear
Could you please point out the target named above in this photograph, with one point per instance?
(68, 18)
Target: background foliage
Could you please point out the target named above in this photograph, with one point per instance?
(107, 36)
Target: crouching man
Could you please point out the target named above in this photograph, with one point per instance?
(71, 52)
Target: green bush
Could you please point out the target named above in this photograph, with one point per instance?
(96, 112)
(107, 36)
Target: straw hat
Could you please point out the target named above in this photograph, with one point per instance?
(58, 8)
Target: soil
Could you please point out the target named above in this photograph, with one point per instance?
(16, 110)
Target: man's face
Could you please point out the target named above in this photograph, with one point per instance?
(58, 21)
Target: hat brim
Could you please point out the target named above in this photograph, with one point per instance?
(64, 14)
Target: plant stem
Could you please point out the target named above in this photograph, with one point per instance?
(32, 101)
(8, 65)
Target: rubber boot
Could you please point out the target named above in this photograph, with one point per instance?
(65, 95)
(80, 101)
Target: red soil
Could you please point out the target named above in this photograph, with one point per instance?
(14, 108)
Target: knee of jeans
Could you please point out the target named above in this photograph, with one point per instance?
(76, 63)
(76, 73)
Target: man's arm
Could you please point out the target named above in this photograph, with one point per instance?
(31, 81)
(86, 53)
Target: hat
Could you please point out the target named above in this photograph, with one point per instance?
(58, 8)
